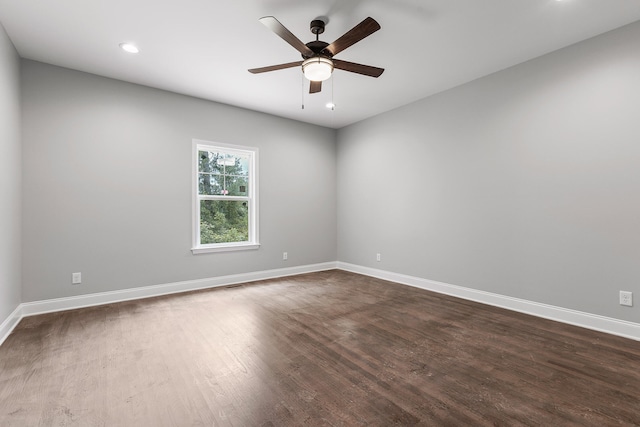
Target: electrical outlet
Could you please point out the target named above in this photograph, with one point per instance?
(76, 278)
(378, 257)
(285, 256)
(626, 298)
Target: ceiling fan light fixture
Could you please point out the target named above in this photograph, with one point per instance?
(317, 68)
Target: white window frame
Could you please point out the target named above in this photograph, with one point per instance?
(252, 196)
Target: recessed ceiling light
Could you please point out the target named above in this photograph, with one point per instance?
(128, 47)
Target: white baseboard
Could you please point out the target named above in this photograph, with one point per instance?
(577, 318)
(10, 323)
(80, 301)
(586, 320)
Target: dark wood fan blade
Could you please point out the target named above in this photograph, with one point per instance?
(353, 36)
(274, 25)
(315, 87)
(366, 70)
(275, 67)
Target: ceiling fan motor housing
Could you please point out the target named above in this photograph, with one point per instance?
(317, 46)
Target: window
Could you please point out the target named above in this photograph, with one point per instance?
(225, 202)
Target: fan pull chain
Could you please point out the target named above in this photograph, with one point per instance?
(333, 83)
(302, 90)
(333, 102)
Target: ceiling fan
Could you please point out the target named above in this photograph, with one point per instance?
(318, 60)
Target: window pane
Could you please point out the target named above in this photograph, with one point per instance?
(237, 185)
(208, 162)
(210, 184)
(231, 164)
(224, 221)
(241, 166)
(224, 162)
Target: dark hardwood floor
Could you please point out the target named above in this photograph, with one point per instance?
(330, 348)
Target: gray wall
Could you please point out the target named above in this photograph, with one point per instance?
(10, 177)
(525, 183)
(107, 185)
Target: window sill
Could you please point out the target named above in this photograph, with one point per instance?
(225, 248)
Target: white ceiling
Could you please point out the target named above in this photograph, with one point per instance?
(203, 48)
